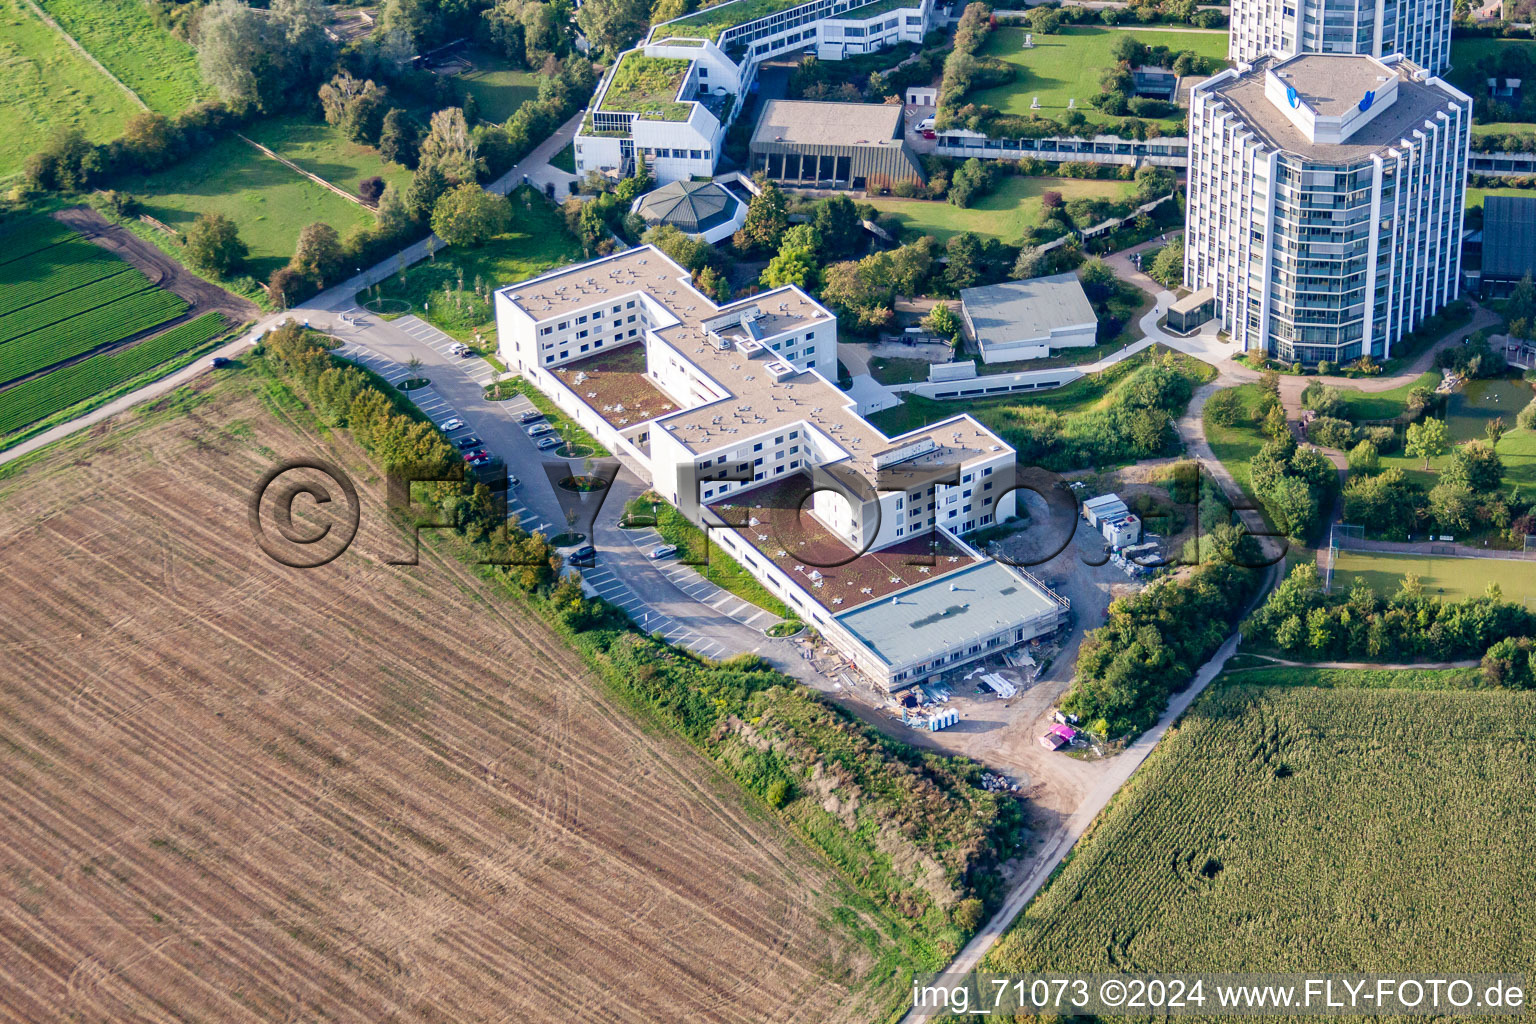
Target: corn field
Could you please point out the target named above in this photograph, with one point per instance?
(1292, 828)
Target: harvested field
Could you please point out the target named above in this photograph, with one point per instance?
(241, 792)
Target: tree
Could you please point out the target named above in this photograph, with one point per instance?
(611, 25)
(838, 227)
(427, 186)
(213, 244)
(450, 149)
(318, 253)
(1364, 458)
(394, 214)
(942, 321)
(399, 138)
(1477, 466)
(1428, 438)
(1168, 265)
(356, 107)
(767, 219)
(469, 215)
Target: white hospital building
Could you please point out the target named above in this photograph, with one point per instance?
(672, 98)
(726, 412)
(1418, 29)
(1325, 202)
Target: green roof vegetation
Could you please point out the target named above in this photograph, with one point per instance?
(647, 86)
(715, 19)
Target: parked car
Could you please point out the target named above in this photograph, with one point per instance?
(584, 555)
(219, 362)
(546, 443)
(663, 550)
(450, 425)
(530, 416)
(466, 443)
(540, 429)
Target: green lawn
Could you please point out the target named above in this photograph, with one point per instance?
(48, 86)
(1292, 828)
(156, 65)
(1450, 578)
(323, 151)
(1475, 196)
(269, 203)
(1234, 446)
(1067, 66)
(498, 90)
(1384, 405)
(538, 241)
(1007, 214)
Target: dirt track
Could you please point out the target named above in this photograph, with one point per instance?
(157, 266)
(241, 792)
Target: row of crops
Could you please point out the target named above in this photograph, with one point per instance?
(42, 396)
(1293, 827)
(101, 325)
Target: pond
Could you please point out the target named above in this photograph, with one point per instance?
(1469, 409)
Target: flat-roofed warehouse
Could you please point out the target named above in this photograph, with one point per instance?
(838, 145)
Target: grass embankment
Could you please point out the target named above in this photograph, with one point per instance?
(1007, 213)
(538, 241)
(161, 69)
(707, 559)
(1266, 796)
(49, 87)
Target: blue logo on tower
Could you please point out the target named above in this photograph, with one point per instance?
(1367, 99)
(1290, 95)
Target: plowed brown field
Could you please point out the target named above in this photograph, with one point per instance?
(235, 791)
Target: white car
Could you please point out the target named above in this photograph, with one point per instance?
(663, 550)
(453, 424)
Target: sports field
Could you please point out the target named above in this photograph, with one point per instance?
(160, 69)
(1067, 65)
(268, 202)
(47, 86)
(1442, 576)
(1006, 214)
(1288, 827)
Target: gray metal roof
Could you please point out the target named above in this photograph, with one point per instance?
(1016, 311)
(1509, 236)
(690, 206)
(977, 601)
(816, 123)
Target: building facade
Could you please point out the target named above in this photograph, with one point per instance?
(705, 64)
(1325, 202)
(727, 413)
(1418, 29)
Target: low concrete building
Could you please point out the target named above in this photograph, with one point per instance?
(699, 209)
(1029, 319)
(833, 145)
(1509, 242)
